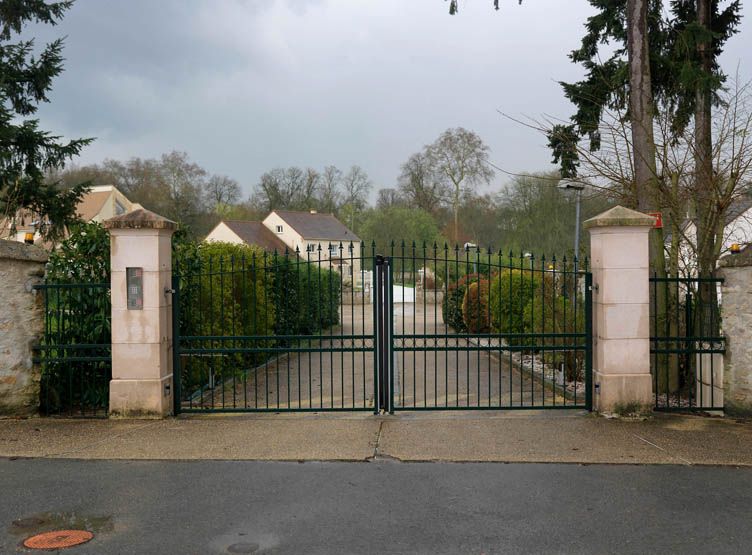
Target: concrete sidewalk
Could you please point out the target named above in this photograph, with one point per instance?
(542, 436)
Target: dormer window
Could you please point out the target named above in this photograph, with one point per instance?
(279, 229)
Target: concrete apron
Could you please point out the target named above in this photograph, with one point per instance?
(532, 436)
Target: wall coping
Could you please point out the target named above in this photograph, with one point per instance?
(740, 260)
(140, 219)
(14, 250)
(619, 216)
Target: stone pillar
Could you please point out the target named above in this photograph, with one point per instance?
(21, 326)
(141, 245)
(620, 254)
(736, 310)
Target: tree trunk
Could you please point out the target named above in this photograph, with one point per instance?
(457, 217)
(641, 103)
(643, 146)
(707, 213)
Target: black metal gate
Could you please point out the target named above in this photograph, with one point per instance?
(465, 329)
(686, 343)
(340, 328)
(274, 332)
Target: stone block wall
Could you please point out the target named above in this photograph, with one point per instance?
(736, 312)
(21, 326)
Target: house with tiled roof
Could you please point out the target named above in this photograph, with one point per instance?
(100, 203)
(245, 232)
(316, 237)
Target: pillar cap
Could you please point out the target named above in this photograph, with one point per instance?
(140, 219)
(619, 216)
(744, 258)
(15, 250)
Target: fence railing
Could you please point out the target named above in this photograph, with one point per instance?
(75, 351)
(686, 343)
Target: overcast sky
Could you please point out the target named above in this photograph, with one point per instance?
(244, 86)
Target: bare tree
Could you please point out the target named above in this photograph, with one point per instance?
(355, 187)
(460, 157)
(222, 191)
(389, 198)
(280, 189)
(184, 182)
(309, 193)
(420, 185)
(330, 189)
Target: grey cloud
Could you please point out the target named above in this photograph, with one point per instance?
(244, 86)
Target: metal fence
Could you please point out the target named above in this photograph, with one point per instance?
(75, 351)
(441, 329)
(686, 343)
(500, 331)
(274, 331)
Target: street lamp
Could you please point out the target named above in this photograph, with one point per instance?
(469, 246)
(578, 186)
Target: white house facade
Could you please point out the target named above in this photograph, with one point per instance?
(318, 238)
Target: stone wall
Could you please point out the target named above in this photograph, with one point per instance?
(21, 326)
(736, 299)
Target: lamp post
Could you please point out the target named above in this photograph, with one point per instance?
(577, 186)
(469, 246)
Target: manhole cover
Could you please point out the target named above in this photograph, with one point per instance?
(58, 539)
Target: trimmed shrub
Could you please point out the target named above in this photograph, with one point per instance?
(306, 300)
(246, 291)
(475, 309)
(550, 311)
(451, 306)
(511, 291)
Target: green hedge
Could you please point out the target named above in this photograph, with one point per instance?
(475, 310)
(246, 291)
(306, 297)
(77, 312)
(550, 311)
(451, 306)
(511, 291)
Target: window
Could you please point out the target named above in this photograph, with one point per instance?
(311, 247)
(333, 250)
(279, 229)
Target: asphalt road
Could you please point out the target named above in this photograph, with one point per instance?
(213, 507)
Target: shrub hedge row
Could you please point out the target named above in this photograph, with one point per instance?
(516, 301)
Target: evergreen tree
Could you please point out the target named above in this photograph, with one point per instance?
(27, 153)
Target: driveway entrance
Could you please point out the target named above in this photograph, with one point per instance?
(288, 333)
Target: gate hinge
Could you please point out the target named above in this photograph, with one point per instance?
(168, 291)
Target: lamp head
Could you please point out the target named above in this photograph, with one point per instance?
(569, 183)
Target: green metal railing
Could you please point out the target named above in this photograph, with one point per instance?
(75, 351)
(347, 328)
(274, 332)
(686, 343)
(489, 330)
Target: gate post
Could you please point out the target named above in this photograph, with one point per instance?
(141, 279)
(620, 262)
(383, 335)
(736, 294)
